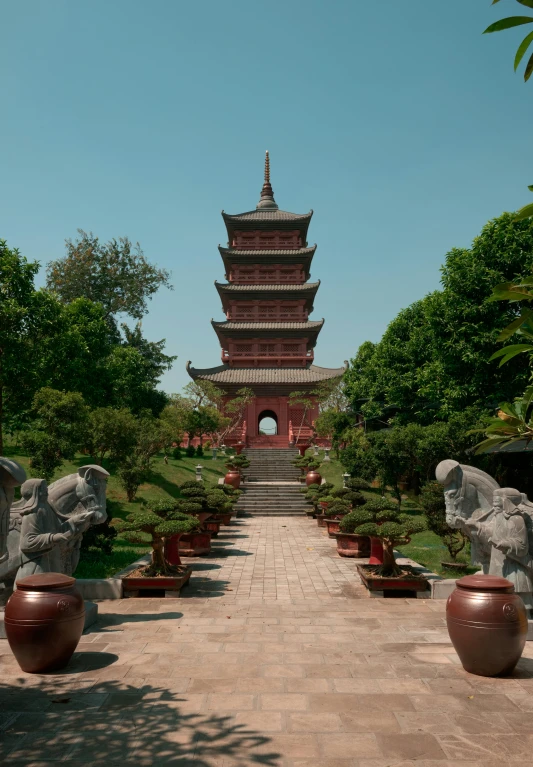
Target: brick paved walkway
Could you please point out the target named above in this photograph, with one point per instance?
(279, 659)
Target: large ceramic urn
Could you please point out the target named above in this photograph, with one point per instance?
(44, 621)
(233, 477)
(313, 478)
(487, 624)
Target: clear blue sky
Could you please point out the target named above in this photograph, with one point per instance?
(400, 124)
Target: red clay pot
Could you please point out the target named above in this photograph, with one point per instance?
(170, 584)
(213, 526)
(224, 519)
(376, 552)
(313, 478)
(333, 526)
(233, 477)
(407, 582)
(351, 545)
(487, 624)
(321, 520)
(44, 621)
(239, 447)
(195, 544)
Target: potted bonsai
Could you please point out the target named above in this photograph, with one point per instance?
(350, 543)
(383, 521)
(235, 465)
(159, 521)
(312, 496)
(433, 504)
(195, 492)
(335, 511)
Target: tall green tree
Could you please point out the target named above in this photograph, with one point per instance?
(18, 317)
(115, 274)
(433, 359)
(57, 432)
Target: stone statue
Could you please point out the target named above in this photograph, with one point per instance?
(78, 498)
(43, 533)
(468, 493)
(11, 475)
(498, 521)
(508, 530)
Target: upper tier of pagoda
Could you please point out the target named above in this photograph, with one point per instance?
(267, 299)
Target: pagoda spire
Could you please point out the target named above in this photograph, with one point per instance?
(267, 195)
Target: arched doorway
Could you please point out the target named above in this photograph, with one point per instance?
(267, 423)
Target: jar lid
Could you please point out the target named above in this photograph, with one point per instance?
(45, 582)
(485, 583)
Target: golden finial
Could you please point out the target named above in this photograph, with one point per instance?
(267, 167)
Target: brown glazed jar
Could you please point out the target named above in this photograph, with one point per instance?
(44, 621)
(313, 478)
(233, 477)
(487, 624)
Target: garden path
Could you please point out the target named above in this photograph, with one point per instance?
(280, 659)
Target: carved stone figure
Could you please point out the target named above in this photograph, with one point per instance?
(11, 475)
(468, 493)
(508, 532)
(81, 493)
(43, 532)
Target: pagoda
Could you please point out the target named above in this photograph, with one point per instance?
(267, 339)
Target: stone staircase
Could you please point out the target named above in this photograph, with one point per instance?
(272, 488)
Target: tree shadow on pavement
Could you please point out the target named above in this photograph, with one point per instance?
(108, 723)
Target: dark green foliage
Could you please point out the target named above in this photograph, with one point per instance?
(100, 537)
(238, 462)
(337, 506)
(433, 360)
(58, 430)
(355, 498)
(190, 451)
(176, 454)
(432, 501)
(199, 452)
(354, 519)
(116, 275)
(357, 483)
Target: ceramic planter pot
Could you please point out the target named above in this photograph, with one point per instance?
(321, 520)
(195, 544)
(233, 477)
(351, 545)
(324, 504)
(213, 526)
(410, 582)
(170, 584)
(44, 621)
(487, 624)
(239, 447)
(313, 478)
(224, 519)
(333, 526)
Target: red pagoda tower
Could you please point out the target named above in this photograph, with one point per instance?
(267, 338)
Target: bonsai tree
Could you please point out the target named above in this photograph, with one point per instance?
(307, 463)
(433, 504)
(190, 451)
(237, 462)
(337, 506)
(158, 520)
(382, 519)
(355, 498)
